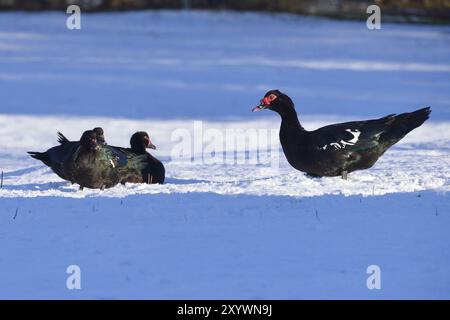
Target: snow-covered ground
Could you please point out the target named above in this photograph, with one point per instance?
(216, 230)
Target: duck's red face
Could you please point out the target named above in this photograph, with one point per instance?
(266, 102)
(148, 143)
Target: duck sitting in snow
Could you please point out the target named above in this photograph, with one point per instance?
(90, 163)
(153, 171)
(337, 149)
(150, 170)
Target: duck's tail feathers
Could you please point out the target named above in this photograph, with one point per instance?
(62, 138)
(42, 156)
(410, 121)
(400, 125)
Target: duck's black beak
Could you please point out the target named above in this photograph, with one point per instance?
(151, 146)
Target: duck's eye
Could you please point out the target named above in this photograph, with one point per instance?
(272, 97)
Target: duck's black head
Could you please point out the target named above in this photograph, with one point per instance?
(100, 135)
(89, 140)
(276, 101)
(141, 141)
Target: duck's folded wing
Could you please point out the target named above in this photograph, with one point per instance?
(117, 156)
(57, 155)
(124, 158)
(350, 136)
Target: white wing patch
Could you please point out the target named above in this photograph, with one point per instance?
(342, 144)
(112, 163)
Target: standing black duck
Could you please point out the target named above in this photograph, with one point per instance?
(337, 149)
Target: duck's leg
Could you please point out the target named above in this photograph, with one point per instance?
(102, 187)
(81, 188)
(344, 174)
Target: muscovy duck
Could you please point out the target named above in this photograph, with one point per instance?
(153, 171)
(337, 149)
(89, 163)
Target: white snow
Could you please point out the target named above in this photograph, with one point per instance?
(419, 162)
(250, 230)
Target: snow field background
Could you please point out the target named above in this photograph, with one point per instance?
(221, 231)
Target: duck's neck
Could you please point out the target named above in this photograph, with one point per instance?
(139, 150)
(88, 149)
(290, 122)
